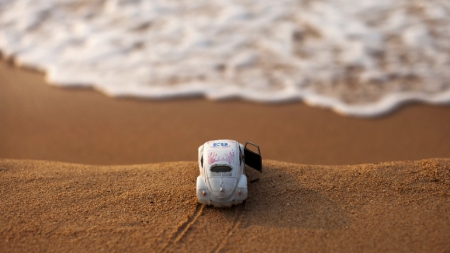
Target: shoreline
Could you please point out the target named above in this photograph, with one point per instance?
(42, 122)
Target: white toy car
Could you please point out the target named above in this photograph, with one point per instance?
(222, 181)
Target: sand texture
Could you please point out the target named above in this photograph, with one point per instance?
(386, 207)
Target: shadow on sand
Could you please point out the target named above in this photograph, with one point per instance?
(278, 199)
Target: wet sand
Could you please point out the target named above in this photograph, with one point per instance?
(83, 126)
(386, 207)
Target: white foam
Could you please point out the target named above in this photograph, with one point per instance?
(358, 57)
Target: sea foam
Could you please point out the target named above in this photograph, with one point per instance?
(358, 57)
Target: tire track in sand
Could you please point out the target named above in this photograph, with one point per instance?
(236, 222)
(182, 229)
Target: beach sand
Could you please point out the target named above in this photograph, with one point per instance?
(386, 207)
(41, 122)
(54, 206)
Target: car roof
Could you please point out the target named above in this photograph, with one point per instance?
(222, 152)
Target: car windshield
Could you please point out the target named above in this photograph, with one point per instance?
(221, 168)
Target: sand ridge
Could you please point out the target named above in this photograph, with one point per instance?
(53, 206)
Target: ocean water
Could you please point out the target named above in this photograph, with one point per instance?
(357, 57)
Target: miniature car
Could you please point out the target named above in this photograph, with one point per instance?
(222, 181)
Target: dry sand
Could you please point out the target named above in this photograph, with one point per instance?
(41, 122)
(387, 207)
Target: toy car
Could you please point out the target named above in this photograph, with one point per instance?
(222, 181)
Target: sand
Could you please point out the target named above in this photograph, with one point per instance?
(41, 122)
(58, 206)
(386, 207)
